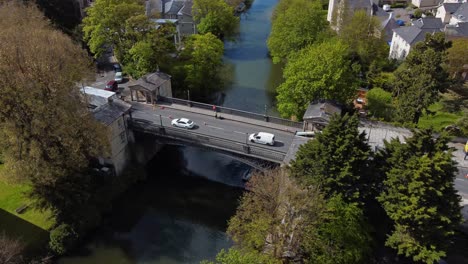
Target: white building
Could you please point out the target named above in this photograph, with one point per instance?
(446, 10)
(405, 37)
(112, 112)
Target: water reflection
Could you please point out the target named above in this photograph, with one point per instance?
(254, 76)
(178, 215)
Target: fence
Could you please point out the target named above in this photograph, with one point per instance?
(235, 112)
(208, 141)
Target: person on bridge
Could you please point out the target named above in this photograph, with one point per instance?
(466, 150)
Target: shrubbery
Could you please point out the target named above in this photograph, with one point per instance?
(62, 238)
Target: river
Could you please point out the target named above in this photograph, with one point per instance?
(180, 213)
(255, 77)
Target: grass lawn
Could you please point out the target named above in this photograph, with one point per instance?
(32, 225)
(440, 119)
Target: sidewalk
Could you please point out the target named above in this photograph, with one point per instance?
(229, 117)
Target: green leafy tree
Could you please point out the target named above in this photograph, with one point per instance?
(48, 137)
(234, 256)
(337, 160)
(216, 17)
(202, 65)
(62, 238)
(321, 71)
(457, 57)
(343, 233)
(150, 53)
(272, 217)
(419, 196)
(295, 26)
(420, 78)
(363, 35)
(106, 24)
(379, 103)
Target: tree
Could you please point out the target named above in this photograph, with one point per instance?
(10, 250)
(295, 26)
(379, 103)
(337, 160)
(215, 16)
(288, 222)
(418, 195)
(457, 57)
(106, 25)
(320, 71)
(420, 78)
(202, 63)
(150, 53)
(62, 238)
(272, 217)
(234, 256)
(342, 233)
(363, 35)
(47, 134)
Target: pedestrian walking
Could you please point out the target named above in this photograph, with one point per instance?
(466, 150)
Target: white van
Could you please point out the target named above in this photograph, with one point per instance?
(262, 138)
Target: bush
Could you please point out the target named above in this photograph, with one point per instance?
(417, 13)
(62, 238)
(398, 5)
(379, 103)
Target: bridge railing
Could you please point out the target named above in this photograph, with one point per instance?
(205, 140)
(235, 112)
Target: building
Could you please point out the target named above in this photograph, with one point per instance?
(445, 11)
(460, 15)
(339, 9)
(149, 87)
(405, 37)
(426, 3)
(180, 10)
(318, 114)
(113, 113)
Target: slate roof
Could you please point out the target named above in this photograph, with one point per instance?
(151, 81)
(457, 31)
(360, 5)
(187, 8)
(111, 111)
(413, 34)
(429, 23)
(321, 109)
(173, 7)
(462, 12)
(451, 7)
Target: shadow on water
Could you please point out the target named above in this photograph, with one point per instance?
(33, 237)
(178, 214)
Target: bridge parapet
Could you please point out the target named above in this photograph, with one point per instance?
(194, 138)
(234, 112)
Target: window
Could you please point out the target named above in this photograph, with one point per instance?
(123, 137)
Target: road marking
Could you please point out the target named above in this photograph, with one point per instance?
(243, 133)
(215, 127)
(457, 179)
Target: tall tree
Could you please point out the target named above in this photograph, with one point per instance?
(48, 136)
(321, 71)
(364, 37)
(215, 17)
(106, 25)
(420, 78)
(379, 103)
(295, 25)
(337, 160)
(457, 57)
(419, 196)
(202, 64)
(285, 221)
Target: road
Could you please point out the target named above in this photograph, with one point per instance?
(211, 126)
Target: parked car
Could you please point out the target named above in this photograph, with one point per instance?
(400, 22)
(262, 138)
(360, 100)
(183, 123)
(118, 77)
(112, 86)
(117, 67)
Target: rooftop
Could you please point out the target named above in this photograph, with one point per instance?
(462, 12)
(321, 109)
(414, 34)
(151, 81)
(111, 111)
(428, 23)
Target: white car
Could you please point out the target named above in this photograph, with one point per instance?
(262, 138)
(183, 123)
(118, 77)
